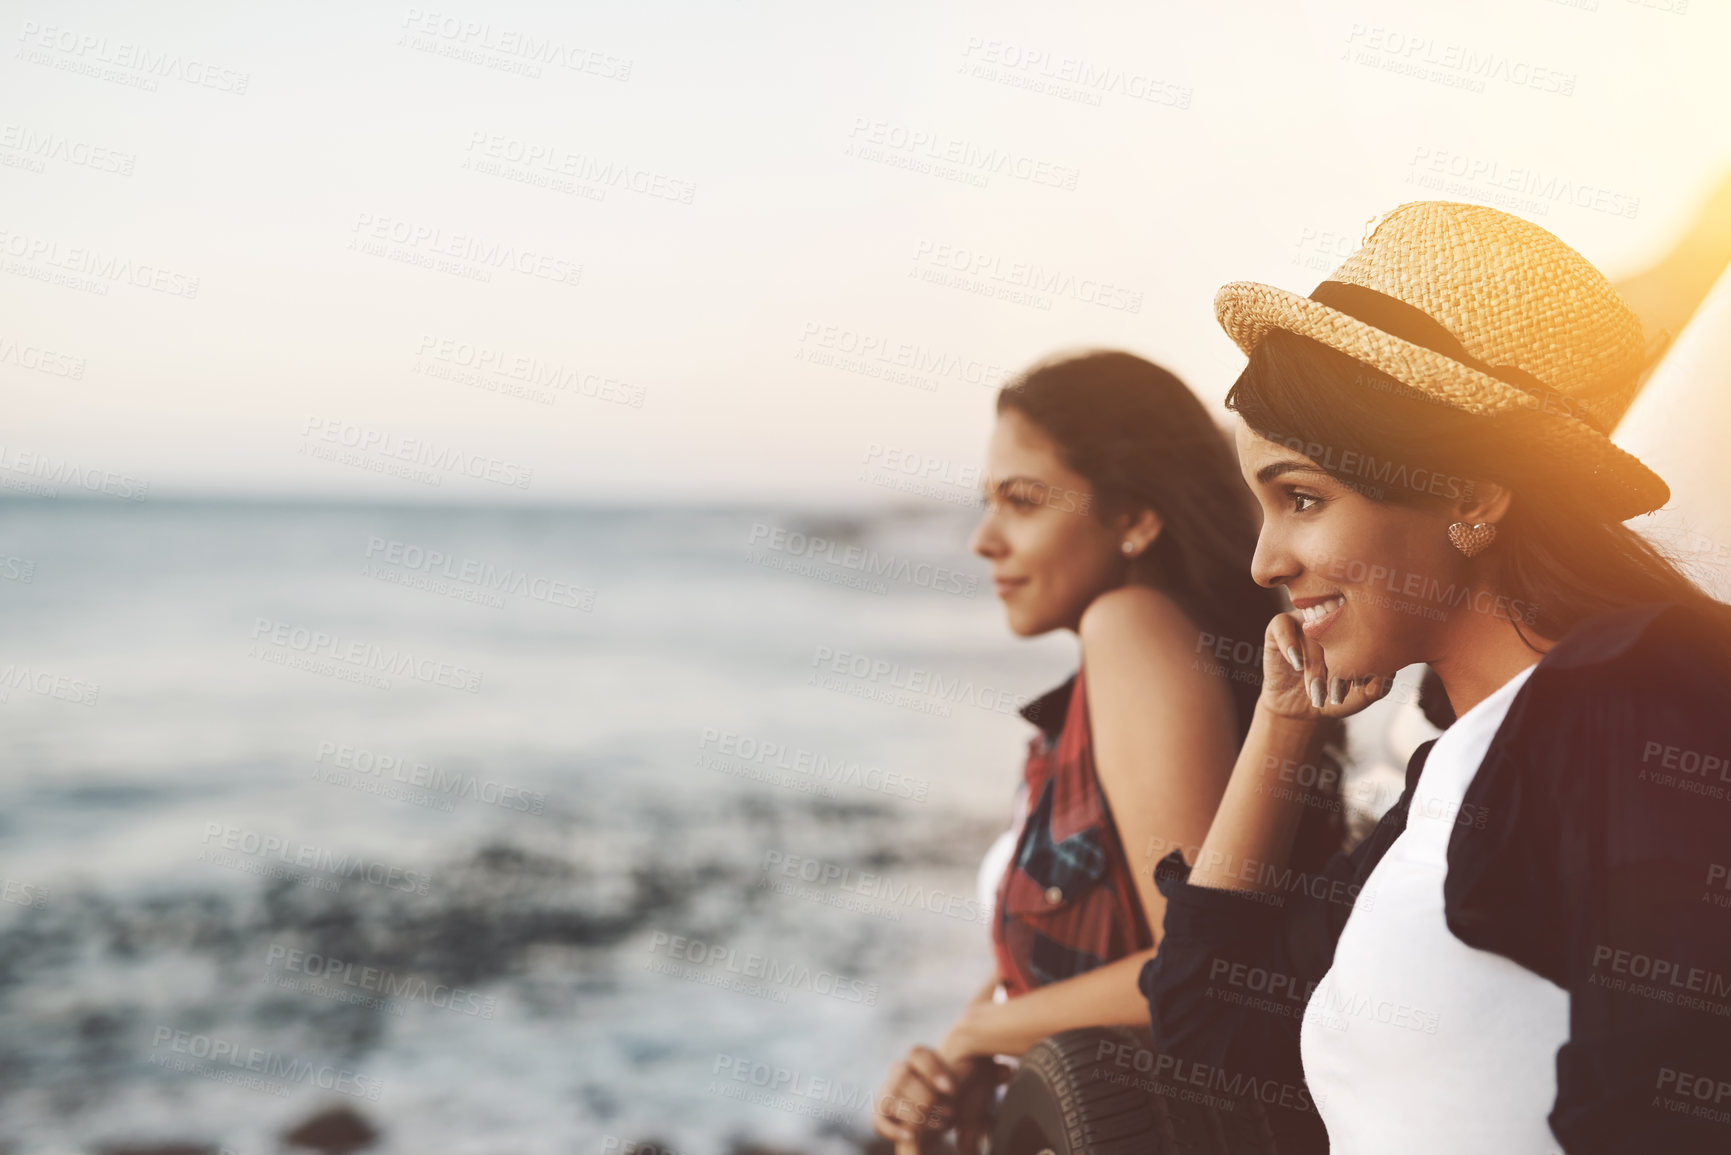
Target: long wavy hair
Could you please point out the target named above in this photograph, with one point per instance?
(1143, 440)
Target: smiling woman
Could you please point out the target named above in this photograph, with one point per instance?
(1467, 995)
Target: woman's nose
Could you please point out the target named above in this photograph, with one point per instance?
(1272, 564)
(986, 540)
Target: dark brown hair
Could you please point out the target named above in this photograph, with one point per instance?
(1143, 440)
(1554, 552)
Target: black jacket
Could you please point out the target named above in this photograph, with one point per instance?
(1593, 847)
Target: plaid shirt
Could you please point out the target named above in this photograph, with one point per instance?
(1067, 902)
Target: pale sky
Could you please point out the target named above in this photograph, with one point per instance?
(806, 175)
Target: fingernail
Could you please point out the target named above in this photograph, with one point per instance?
(1337, 692)
(1316, 693)
(1295, 659)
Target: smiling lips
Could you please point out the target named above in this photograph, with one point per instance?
(1006, 586)
(1320, 615)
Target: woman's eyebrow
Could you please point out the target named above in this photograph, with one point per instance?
(1000, 484)
(1275, 469)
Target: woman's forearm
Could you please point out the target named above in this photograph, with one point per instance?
(1259, 814)
(988, 992)
(1104, 996)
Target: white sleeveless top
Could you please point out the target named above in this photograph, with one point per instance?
(1414, 1042)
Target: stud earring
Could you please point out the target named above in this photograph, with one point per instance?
(1472, 540)
(1130, 548)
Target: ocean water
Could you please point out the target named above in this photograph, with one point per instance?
(511, 830)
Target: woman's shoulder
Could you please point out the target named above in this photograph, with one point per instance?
(1621, 683)
(1641, 658)
(1140, 645)
(1138, 615)
(1698, 635)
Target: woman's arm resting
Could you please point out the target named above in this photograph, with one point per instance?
(1103, 997)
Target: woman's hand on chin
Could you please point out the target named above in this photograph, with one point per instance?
(1296, 683)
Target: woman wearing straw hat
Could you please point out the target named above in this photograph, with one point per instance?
(1532, 950)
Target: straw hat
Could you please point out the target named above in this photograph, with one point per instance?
(1487, 313)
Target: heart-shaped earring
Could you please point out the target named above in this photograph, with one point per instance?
(1472, 540)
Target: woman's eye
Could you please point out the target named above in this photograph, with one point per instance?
(1299, 500)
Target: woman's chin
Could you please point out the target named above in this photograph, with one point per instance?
(1353, 662)
(1024, 624)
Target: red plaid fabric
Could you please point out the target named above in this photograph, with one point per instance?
(1067, 902)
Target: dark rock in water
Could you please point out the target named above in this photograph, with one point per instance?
(336, 1129)
(156, 1149)
(753, 1147)
(648, 1147)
